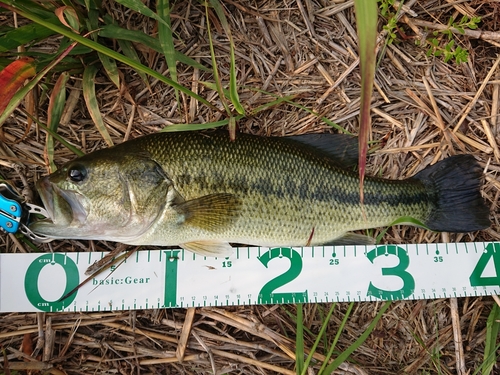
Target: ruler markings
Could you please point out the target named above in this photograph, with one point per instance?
(35, 282)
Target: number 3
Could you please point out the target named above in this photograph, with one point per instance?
(399, 271)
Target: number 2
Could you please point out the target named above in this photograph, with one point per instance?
(266, 294)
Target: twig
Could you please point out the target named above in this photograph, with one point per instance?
(494, 106)
(457, 337)
(477, 34)
(491, 139)
(207, 349)
(186, 330)
(305, 16)
(251, 361)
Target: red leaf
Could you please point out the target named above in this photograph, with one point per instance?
(12, 78)
(27, 345)
(68, 17)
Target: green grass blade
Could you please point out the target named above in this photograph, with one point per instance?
(335, 340)
(366, 21)
(166, 38)
(299, 341)
(100, 48)
(129, 51)
(405, 220)
(213, 86)
(492, 358)
(233, 83)
(91, 101)
(139, 7)
(111, 68)
(23, 35)
(288, 99)
(233, 86)
(346, 353)
(192, 127)
(320, 335)
(182, 58)
(490, 346)
(56, 136)
(116, 32)
(32, 6)
(218, 83)
(54, 113)
(322, 318)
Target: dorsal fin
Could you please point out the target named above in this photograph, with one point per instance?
(343, 148)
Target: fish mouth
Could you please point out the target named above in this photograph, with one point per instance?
(64, 207)
(44, 188)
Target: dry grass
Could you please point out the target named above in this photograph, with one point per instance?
(423, 110)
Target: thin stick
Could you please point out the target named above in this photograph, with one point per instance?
(477, 34)
(305, 16)
(254, 362)
(491, 139)
(186, 330)
(495, 97)
(457, 337)
(207, 349)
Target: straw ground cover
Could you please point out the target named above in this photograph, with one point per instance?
(294, 70)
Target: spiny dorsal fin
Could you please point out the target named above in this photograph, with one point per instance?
(343, 148)
(211, 212)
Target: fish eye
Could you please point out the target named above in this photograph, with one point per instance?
(77, 173)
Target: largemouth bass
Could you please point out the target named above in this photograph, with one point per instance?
(201, 191)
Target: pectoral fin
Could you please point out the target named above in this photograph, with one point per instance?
(209, 248)
(210, 212)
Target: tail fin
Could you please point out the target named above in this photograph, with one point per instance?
(453, 185)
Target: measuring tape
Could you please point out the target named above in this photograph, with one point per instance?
(177, 278)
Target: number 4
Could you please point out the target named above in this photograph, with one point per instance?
(491, 251)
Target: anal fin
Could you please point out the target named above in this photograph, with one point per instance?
(351, 239)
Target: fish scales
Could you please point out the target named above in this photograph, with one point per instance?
(288, 191)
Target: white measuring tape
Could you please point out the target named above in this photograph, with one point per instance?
(177, 278)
